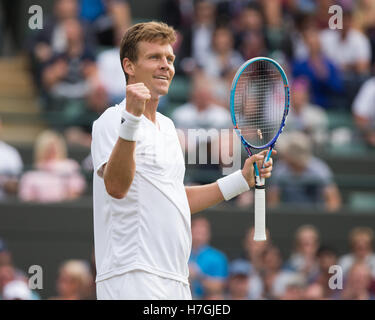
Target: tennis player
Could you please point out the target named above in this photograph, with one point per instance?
(142, 210)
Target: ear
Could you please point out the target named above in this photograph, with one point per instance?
(128, 66)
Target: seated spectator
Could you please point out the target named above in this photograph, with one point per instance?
(348, 48)
(71, 83)
(324, 78)
(222, 56)
(277, 30)
(305, 116)
(250, 20)
(55, 177)
(273, 276)
(253, 253)
(303, 258)
(357, 285)
(364, 112)
(208, 267)
(201, 111)
(253, 45)
(301, 179)
(11, 166)
(294, 288)
(51, 39)
(314, 291)
(74, 281)
(361, 242)
(364, 21)
(327, 257)
(238, 281)
(104, 17)
(196, 40)
(17, 290)
(110, 73)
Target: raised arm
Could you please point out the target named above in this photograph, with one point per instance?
(119, 171)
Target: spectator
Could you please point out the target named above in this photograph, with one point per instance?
(105, 17)
(208, 267)
(277, 28)
(358, 283)
(273, 276)
(353, 46)
(303, 259)
(254, 252)
(55, 177)
(364, 112)
(239, 280)
(222, 57)
(364, 21)
(300, 178)
(17, 290)
(111, 76)
(360, 241)
(196, 41)
(51, 40)
(71, 82)
(201, 111)
(11, 166)
(305, 116)
(294, 288)
(327, 257)
(250, 20)
(74, 281)
(324, 77)
(313, 291)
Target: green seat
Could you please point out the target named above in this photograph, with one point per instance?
(362, 201)
(179, 90)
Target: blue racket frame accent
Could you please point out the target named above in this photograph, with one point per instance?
(286, 109)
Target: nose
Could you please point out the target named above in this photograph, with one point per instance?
(164, 64)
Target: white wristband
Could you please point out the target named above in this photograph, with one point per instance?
(233, 185)
(129, 126)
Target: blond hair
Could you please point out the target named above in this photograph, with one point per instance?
(44, 140)
(359, 231)
(79, 271)
(146, 31)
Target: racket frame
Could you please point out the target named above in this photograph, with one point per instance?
(259, 182)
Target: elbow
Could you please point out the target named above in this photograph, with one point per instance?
(115, 191)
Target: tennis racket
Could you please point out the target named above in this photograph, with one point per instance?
(259, 105)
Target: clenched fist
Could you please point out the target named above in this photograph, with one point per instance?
(136, 97)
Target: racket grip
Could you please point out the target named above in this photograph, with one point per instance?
(260, 215)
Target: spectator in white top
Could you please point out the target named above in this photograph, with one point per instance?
(361, 241)
(222, 56)
(201, 111)
(364, 111)
(11, 166)
(305, 116)
(349, 48)
(110, 74)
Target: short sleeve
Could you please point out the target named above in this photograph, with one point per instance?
(104, 137)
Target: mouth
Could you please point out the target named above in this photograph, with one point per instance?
(161, 78)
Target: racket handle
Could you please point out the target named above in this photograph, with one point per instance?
(260, 215)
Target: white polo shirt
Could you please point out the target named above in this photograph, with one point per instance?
(149, 229)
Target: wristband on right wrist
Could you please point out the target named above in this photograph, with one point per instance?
(232, 185)
(129, 126)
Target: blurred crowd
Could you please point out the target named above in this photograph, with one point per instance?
(311, 270)
(76, 69)
(75, 65)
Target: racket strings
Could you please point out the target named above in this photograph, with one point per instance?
(259, 102)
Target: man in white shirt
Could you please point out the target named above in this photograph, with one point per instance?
(348, 48)
(141, 207)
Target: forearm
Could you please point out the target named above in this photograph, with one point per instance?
(202, 197)
(120, 170)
